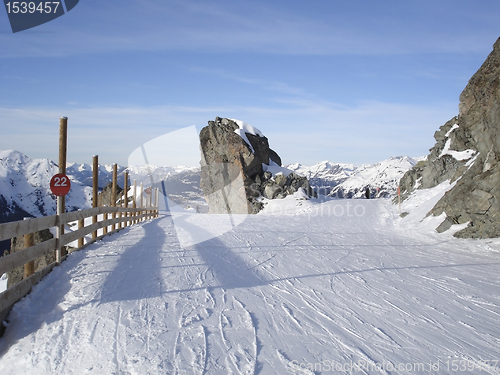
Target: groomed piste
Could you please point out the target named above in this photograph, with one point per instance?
(304, 287)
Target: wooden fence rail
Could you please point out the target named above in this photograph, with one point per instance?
(122, 217)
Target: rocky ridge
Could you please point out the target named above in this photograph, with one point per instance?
(467, 153)
(238, 167)
(351, 181)
(324, 176)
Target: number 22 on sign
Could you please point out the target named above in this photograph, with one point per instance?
(60, 184)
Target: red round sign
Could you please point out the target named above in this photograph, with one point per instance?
(60, 184)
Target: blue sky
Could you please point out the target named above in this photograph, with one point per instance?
(352, 82)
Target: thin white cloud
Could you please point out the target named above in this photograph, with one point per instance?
(303, 131)
(275, 86)
(243, 26)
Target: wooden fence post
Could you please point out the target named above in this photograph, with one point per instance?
(29, 268)
(153, 204)
(113, 194)
(27, 258)
(153, 192)
(95, 189)
(81, 224)
(135, 202)
(61, 202)
(150, 203)
(104, 218)
(142, 200)
(125, 197)
(147, 205)
(157, 202)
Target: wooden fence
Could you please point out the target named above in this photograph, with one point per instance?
(120, 218)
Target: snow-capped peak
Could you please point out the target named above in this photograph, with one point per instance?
(25, 184)
(351, 181)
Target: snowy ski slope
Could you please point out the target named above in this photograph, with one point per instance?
(342, 287)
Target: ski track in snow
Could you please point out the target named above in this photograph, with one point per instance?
(280, 294)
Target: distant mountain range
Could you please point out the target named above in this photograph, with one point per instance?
(351, 181)
(25, 187)
(25, 182)
(83, 174)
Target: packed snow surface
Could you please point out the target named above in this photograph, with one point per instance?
(343, 286)
(276, 169)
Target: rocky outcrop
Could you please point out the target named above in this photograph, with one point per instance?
(234, 157)
(279, 186)
(467, 152)
(105, 197)
(439, 166)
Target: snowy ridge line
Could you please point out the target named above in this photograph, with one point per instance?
(126, 216)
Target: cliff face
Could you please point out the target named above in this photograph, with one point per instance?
(229, 166)
(467, 152)
(234, 156)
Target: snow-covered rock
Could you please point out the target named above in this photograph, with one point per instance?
(234, 155)
(467, 151)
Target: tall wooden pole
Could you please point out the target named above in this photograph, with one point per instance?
(142, 197)
(134, 201)
(125, 196)
(63, 149)
(63, 141)
(148, 204)
(113, 194)
(95, 189)
(154, 202)
(157, 202)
